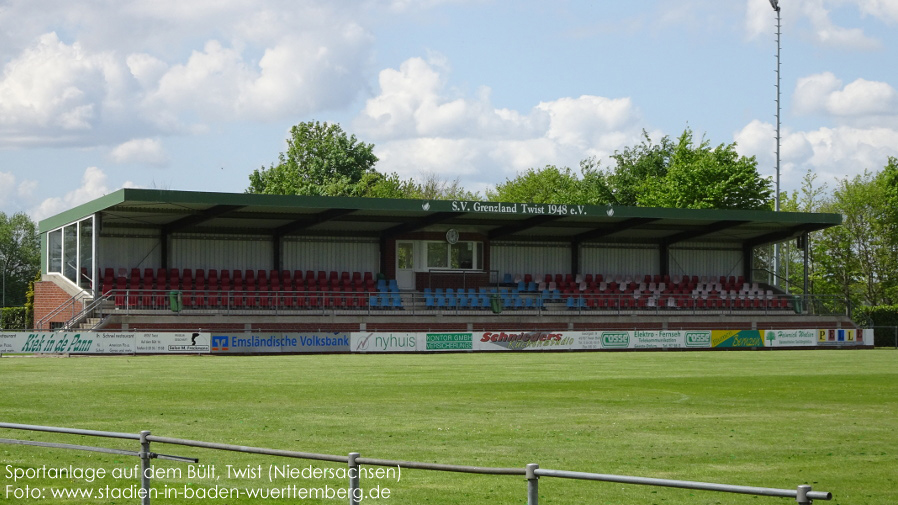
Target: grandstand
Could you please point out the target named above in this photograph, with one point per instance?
(158, 260)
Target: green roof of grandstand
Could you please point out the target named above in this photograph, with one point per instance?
(283, 215)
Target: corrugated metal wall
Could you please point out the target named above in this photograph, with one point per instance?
(137, 249)
(305, 253)
(221, 252)
(625, 260)
(530, 258)
(129, 251)
(705, 259)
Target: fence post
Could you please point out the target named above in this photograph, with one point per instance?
(145, 470)
(802, 496)
(355, 493)
(532, 484)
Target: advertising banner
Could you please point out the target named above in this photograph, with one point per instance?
(386, 342)
(840, 336)
(90, 342)
(790, 338)
(528, 341)
(737, 338)
(116, 343)
(448, 342)
(93, 342)
(172, 343)
(12, 341)
(641, 339)
(253, 343)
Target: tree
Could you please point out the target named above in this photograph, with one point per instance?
(321, 159)
(638, 168)
(861, 201)
(888, 182)
(687, 176)
(549, 184)
(19, 256)
(436, 188)
(811, 198)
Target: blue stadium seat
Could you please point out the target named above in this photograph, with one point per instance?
(451, 299)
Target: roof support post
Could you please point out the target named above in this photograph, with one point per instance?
(575, 257)
(665, 259)
(748, 260)
(277, 251)
(805, 243)
(384, 254)
(163, 247)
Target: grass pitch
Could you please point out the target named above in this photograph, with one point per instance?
(772, 419)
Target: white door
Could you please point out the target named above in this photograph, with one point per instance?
(405, 265)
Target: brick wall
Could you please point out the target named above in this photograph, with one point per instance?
(47, 298)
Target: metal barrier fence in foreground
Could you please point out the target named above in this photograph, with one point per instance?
(803, 494)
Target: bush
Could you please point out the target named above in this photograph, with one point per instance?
(13, 318)
(883, 319)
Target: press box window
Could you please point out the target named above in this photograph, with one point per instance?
(70, 252)
(458, 256)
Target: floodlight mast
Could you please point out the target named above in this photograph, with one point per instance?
(776, 247)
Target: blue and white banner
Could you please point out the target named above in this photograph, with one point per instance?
(265, 343)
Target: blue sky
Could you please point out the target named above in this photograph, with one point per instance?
(195, 95)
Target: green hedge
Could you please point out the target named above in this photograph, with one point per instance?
(13, 318)
(883, 318)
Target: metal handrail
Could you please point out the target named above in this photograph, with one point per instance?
(803, 494)
(579, 302)
(80, 297)
(684, 484)
(86, 311)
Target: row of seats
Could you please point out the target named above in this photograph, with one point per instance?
(482, 298)
(153, 289)
(314, 289)
(591, 280)
(160, 299)
(234, 280)
(512, 298)
(679, 301)
(651, 290)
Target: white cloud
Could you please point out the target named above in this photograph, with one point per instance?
(861, 101)
(93, 185)
(831, 153)
(846, 150)
(415, 101)
(864, 134)
(826, 33)
(404, 5)
(590, 123)
(52, 87)
(424, 126)
(864, 98)
(812, 92)
(142, 151)
(13, 192)
(884, 9)
(7, 185)
(760, 19)
(263, 62)
(146, 69)
(27, 188)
